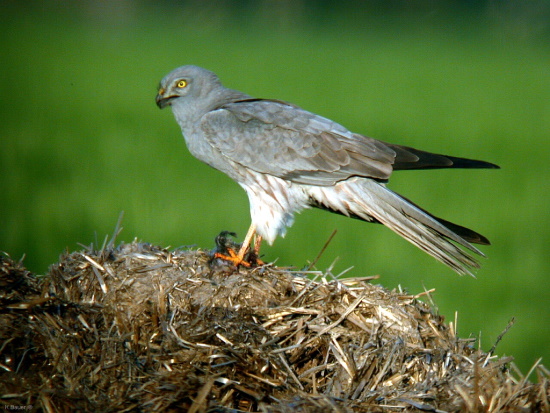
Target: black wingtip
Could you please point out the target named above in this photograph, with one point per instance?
(471, 163)
(492, 166)
(410, 158)
(466, 233)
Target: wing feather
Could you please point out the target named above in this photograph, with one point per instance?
(282, 140)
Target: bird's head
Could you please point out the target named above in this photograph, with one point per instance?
(185, 83)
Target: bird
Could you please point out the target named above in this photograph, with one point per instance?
(288, 159)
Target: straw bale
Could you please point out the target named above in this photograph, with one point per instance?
(142, 328)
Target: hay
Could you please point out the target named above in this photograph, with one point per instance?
(141, 328)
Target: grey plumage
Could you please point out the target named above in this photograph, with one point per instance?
(288, 159)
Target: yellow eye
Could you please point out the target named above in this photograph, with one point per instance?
(181, 84)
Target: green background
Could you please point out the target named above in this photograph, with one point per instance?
(82, 140)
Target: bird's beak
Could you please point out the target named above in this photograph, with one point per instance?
(163, 101)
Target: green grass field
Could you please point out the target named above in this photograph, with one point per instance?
(82, 140)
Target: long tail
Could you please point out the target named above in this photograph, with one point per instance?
(370, 201)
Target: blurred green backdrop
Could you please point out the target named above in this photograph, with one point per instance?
(82, 139)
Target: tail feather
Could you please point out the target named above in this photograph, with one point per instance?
(463, 232)
(371, 201)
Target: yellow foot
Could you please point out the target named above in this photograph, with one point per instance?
(233, 257)
(225, 250)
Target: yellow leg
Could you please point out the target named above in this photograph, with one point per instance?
(239, 258)
(246, 243)
(257, 244)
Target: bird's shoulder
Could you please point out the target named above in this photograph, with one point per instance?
(272, 113)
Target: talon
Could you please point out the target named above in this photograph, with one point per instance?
(247, 257)
(233, 257)
(259, 262)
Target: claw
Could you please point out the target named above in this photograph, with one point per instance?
(246, 257)
(233, 257)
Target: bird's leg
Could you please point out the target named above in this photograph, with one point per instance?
(257, 245)
(246, 243)
(256, 254)
(238, 258)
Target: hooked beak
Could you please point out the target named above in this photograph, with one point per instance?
(163, 101)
